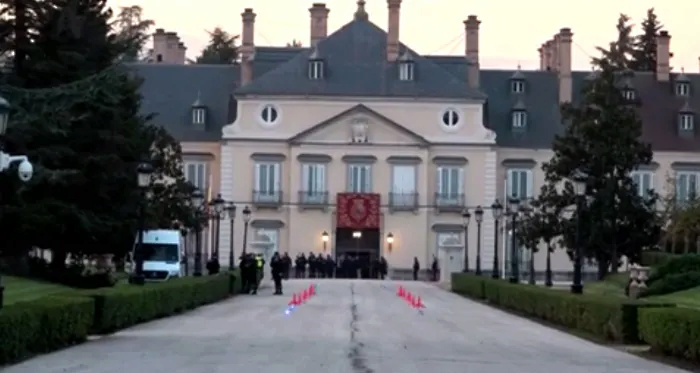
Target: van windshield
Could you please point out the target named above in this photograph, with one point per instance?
(157, 252)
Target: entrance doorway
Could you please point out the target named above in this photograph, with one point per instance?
(357, 252)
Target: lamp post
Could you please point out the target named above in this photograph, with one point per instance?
(325, 238)
(479, 217)
(389, 241)
(246, 221)
(143, 171)
(466, 217)
(497, 211)
(548, 210)
(185, 256)
(231, 212)
(24, 171)
(579, 181)
(198, 202)
(513, 204)
(219, 204)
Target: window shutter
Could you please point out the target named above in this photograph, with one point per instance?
(460, 183)
(439, 181)
(277, 177)
(530, 183)
(258, 179)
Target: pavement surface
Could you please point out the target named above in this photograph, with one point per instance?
(348, 327)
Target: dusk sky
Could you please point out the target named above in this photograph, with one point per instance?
(511, 31)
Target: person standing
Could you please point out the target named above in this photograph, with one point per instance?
(312, 265)
(287, 265)
(383, 267)
(277, 269)
(436, 269)
(416, 268)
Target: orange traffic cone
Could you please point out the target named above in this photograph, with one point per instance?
(399, 291)
(305, 295)
(294, 301)
(419, 303)
(312, 290)
(409, 298)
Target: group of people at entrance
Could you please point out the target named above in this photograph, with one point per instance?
(348, 266)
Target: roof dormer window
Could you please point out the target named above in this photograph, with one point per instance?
(517, 82)
(407, 67)
(316, 66)
(519, 119)
(682, 89)
(629, 94)
(199, 112)
(686, 122)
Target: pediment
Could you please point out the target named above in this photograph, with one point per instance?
(359, 125)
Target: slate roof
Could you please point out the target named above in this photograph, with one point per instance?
(659, 110)
(355, 65)
(169, 91)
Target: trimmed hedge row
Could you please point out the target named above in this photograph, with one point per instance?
(608, 318)
(54, 322)
(674, 331)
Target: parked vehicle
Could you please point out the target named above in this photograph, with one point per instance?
(163, 254)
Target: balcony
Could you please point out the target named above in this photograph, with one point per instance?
(403, 202)
(449, 202)
(309, 200)
(267, 198)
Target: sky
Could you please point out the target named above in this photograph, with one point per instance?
(511, 30)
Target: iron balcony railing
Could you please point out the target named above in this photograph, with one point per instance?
(449, 201)
(313, 198)
(403, 201)
(267, 197)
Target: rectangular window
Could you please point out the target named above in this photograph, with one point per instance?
(313, 183)
(198, 116)
(686, 122)
(519, 119)
(644, 180)
(197, 174)
(406, 71)
(403, 188)
(519, 183)
(359, 178)
(450, 185)
(686, 185)
(267, 180)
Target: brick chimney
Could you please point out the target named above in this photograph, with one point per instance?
(247, 46)
(319, 22)
(167, 48)
(471, 29)
(564, 40)
(392, 35)
(663, 56)
(548, 55)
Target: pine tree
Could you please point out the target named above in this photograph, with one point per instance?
(602, 140)
(132, 32)
(221, 50)
(644, 53)
(620, 51)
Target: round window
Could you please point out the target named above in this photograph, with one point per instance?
(450, 118)
(269, 114)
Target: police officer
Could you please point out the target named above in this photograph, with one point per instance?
(253, 274)
(277, 269)
(245, 266)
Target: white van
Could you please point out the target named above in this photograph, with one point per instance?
(163, 252)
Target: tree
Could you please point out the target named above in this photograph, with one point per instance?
(294, 44)
(221, 50)
(132, 32)
(19, 20)
(528, 234)
(644, 52)
(602, 140)
(619, 51)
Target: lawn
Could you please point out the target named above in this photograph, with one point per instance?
(18, 289)
(614, 286)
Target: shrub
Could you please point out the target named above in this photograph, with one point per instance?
(43, 325)
(675, 265)
(673, 331)
(654, 258)
(608, 318)
(124, 306)
(673, 283)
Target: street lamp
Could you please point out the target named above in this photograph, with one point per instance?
(218, 204)
(527, 214)
(466, 217)
(25, 169)
(231, 212)
(389, 241)
(513, 204)
(579, 181)
(324, 238)
(479, 217)
(246, 220)
(497, 210)
(143, 173)
(548, 211)
(198, 202)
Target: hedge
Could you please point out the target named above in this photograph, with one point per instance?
(43, 325)
(54, 322)
(674, 331)
(605, 317)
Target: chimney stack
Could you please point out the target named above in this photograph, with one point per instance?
(167, 48)
(541, 50)
(471, 28)
(663, 56)
(392, 35)
(548, 56)
(319, 22)
(564, 40)
(247, 46)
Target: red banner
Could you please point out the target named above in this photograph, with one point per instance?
(358, 210)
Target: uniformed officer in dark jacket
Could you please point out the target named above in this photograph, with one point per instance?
(287, 261)
(247, 267)
(299, 265)
(330, 266)
(312, 265)
(277, 269)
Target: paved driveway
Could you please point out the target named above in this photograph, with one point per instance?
(348, 327)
